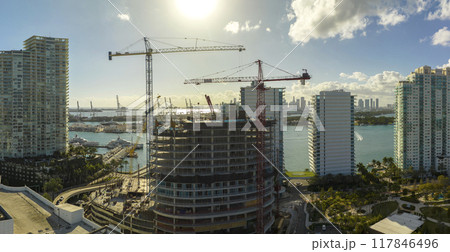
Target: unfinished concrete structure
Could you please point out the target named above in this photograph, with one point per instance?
(213, 189)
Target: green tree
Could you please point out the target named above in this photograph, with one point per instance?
(442, 181)
(396, 187)
(405, 192)
(85, 198)
(53, 186)
(47, 196)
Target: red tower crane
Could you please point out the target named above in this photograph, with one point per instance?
(260, 144)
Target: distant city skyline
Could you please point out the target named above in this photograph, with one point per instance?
(365, 52)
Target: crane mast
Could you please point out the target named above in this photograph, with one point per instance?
(260, 142)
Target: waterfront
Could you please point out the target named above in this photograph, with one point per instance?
(376, 143)
(371, 142)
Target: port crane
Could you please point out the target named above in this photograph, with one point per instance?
(260, 144)
(79, 111)
(149, 52)
(92, 110)
(211, 107)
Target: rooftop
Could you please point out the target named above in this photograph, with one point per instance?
(32, 215)
(404, 223)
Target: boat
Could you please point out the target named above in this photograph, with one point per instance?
(119, 142)
(83, 142)
(132, 155)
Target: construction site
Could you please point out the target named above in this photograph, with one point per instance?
(206, 171)
(214, 190)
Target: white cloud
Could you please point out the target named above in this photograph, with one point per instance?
(248, 27)
(445, 65)
(124, 17)
(441, 37)
(391, 18)
(349, 18)
(443, 13)
(356, 76)
(380, 86)
(234, 26)
(268, 29)
(423, 40)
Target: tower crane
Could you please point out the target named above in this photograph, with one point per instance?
(260, 144)
(149, 52)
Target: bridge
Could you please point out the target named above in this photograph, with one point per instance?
(79, 190)
(92, 187)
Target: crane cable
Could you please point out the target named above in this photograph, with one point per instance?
(198, 39)
(243, 66)
(279, 69)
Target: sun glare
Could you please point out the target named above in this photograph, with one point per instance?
(196, 9)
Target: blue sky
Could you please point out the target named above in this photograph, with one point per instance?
(364, 46)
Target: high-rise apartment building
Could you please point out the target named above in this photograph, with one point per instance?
(273, 96)
(367, 104)
(302, 103)
(33, 98)
(377, 103)
(332, 150)
(360, 104)
(422, 120)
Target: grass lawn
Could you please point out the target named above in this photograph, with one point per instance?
(385, 208)
(430, 227)
(410, 199)
(300, 174)
(437, 213)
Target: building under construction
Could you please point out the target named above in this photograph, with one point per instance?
(214, 188)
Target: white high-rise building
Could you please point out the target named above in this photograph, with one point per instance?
(422, 120)
(33, 98)
(274, 96)
(332, 150)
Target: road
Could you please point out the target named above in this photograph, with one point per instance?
(92, 187)
(76, 191)
(300, 228)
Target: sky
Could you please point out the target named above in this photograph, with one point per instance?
(361, 46)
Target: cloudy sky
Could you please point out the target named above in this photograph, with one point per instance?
(362, 46)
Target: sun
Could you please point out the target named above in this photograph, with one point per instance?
(196, 9)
